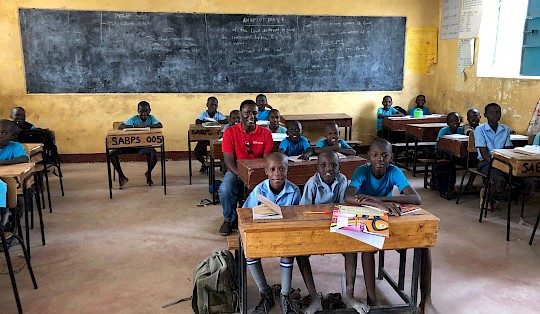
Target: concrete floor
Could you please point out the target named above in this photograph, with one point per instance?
(137, 252)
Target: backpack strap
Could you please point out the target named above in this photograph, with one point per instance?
(175, 302)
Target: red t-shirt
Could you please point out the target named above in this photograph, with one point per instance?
(240, 143)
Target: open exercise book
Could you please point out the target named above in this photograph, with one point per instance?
(267, 210)
(528, 150)
(363, 223)
(314, 157)
(136, 129)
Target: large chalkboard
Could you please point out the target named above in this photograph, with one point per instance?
(127, 52)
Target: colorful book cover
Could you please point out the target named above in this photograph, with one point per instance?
(366, 224)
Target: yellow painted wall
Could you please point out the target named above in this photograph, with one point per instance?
(80, 121)
(453, 92)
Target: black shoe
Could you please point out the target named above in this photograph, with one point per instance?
(203, 170)
(265, 304)
(286, 306)
(225, 228)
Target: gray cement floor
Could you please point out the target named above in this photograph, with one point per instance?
(137, 252)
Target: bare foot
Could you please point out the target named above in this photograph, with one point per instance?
(355, 304)
(314, 306)
(427, 308)
(149, 178)
(122, 181)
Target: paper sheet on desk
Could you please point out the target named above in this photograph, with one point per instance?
(528, 150)
(456, 136)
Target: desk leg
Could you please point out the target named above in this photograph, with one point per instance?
(417, 266)
(108, 173)
(509, 204)
(27, 204)
(242, 277)
(415, 157)
(163, 174)
(406, 151)
(212, 175)
(189, 158)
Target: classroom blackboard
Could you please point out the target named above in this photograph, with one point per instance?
(133, 52)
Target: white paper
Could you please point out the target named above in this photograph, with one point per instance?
(465, 57)
(367, 238)
(456, 136)
(210, 119)
(471, 16)
(528, 150)
(518, 137)
(450, 19)
(278, 137)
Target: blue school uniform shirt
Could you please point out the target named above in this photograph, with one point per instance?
(12, 150)
(446, 131)
(218, 116)
(281, 129)
(537, 140)
(367, 184)
(263, 115)
(136, 120)
(392, 110)
(324, 143)
(291, 149)
(289, 195)
(425, 110)
(484, 136)
(316, 191)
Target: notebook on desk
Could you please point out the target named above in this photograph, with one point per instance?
(267, 210)
(137, 129)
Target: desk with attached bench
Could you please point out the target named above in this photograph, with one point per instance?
(136, 139)
(317, 121)
(298, 234)
(198, 132)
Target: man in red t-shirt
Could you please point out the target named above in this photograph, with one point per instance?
(245, 140)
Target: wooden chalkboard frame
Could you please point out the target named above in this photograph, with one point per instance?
(139, 52)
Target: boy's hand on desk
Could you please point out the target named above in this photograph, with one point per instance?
(388, 207)
(304, 157)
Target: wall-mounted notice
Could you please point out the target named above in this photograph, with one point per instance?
(450, 19)
(465, 56)
(421, 49)
(471, 16)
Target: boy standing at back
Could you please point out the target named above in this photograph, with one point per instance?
(372, 184)
(142, 120)
(262, 104)
(332, 141)
(295, 144)
(10, 153)
(473, 117)
(327, 186)
(210, 114)
(420, 102)
(386, 111)
(18, 114)
(284, 193)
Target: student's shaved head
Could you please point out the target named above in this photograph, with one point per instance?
(279, 157)
(380, 142)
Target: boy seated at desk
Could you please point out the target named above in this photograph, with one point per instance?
(142, 120)
(327, 186)
(331, 141)
(210, 114)
(274, 117)
(284, 193)
(386, 111)
(295, 144)
(453, 121)
(473, 119)
(234, 119)
(487, 137)
(372, 185)
(262, 104)
(420, 104)
(18, 114)
(10, 153)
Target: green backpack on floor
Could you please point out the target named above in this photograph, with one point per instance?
(215, 285)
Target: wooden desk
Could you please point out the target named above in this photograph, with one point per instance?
(458, 146)
(197, 132)
(317, 121)
(398, 124)
(135, 139)
(251, 171)
(35, 151)
(421, 132)
(297, 234)
(515, 165)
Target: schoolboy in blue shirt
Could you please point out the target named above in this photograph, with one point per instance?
(327, 186)
(10, 153)
(386, 111)
(453, 120)
(420, 103)
(294, 144)
(536, 140)
(142, 120)
(18, 114)
(234, 119)
(331, 141)
(201, 150)
(372, 184)
(274, 117)
(262, 104)
(284, 193)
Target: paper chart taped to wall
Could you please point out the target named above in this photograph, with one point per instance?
(421, 49)
(465, 57)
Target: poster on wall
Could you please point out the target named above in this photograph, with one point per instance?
(471, 16)
(421, 49)
(465, 57)
(450, 19)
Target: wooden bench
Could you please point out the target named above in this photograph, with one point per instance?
(232, 242)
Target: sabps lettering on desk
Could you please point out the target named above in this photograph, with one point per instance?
(531, 167)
